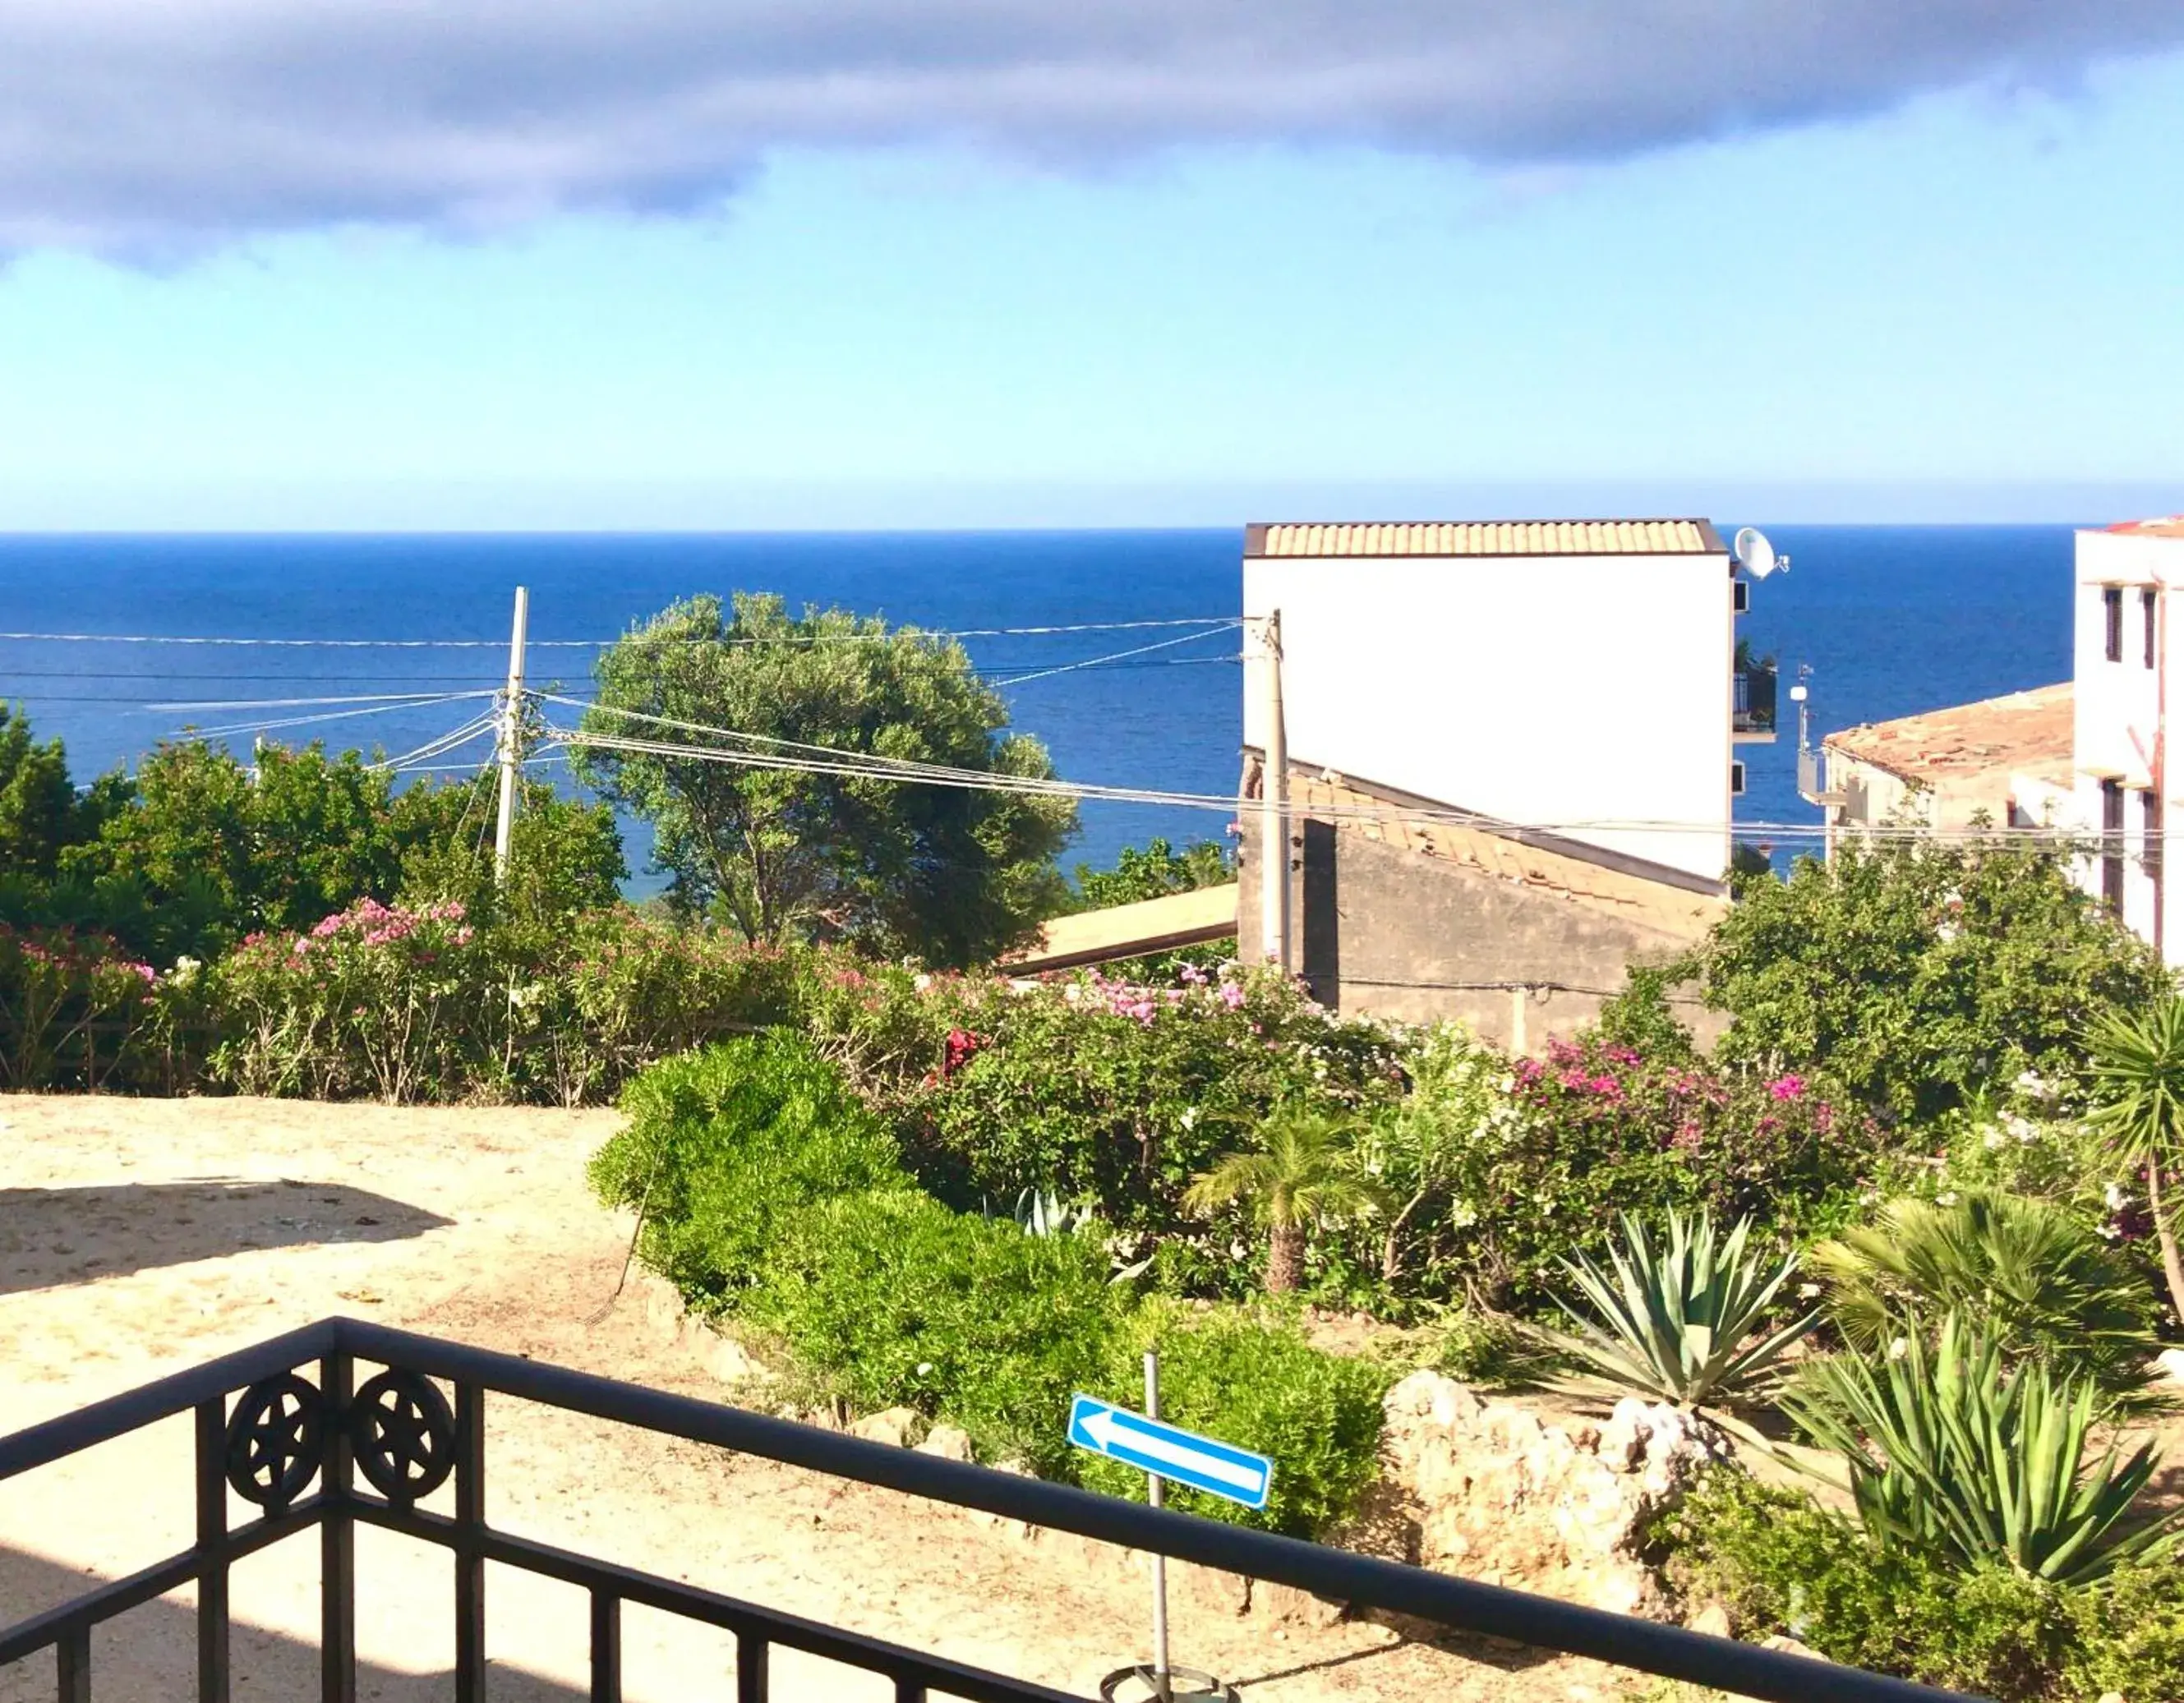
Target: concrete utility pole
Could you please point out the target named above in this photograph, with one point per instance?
(1273, 792)
(511, 735)
(1163, 1683)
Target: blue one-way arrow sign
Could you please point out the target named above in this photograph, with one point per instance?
(1181, 1457)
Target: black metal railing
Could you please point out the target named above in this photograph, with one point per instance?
(1753, 708)
(297, 1449)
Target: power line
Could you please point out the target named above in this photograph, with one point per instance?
(904, 631)
(1117, 656)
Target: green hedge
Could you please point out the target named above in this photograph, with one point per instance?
(772, 1194)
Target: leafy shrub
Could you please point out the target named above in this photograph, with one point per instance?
(1596, 1129)
(1123, 1093)
(2027, 1271)
(900, 1301)
(1250, 1378)
(1416, 1149)
(723, 1146)
(77, 1013)
(1954, 1454)
(1682, 1320)
(1920, 975)
(1779, 1563)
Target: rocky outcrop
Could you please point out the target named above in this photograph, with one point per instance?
(1493, 1491)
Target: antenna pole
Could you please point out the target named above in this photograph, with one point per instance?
(511, 737)
(1273, 815)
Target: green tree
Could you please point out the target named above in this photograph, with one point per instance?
(1305, 1174)
(1158, 871)
(1919, 975)
(2138, 1074)
(564, 856)
(952, 873)
(39, 813)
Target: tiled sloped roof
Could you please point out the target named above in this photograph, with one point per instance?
(1485, 538)
(2026, 731)
(2163, 526)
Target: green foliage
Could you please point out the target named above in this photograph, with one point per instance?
(39, 811)
(1954, 1453)
(950, 874)
(1304, 1175)
(2138, 1074)
(1250, 1378)
(900, 1301)
(1415, 1149)
(77, 1013)
(564, 856)
(1682, 1320)
(1156, 872)
(414, 1002)
(2025, 1272)
(1640, 1019)
(1779, 1563)
(1918, 975)
(1596, 1129)
(1122, 1094)
(724, 1144)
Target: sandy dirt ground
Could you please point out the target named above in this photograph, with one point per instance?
(142, 1237)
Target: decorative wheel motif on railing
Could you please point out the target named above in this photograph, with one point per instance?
(404, 1435)
(276, 1440)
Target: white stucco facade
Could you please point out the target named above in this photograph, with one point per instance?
(2120, 775)
(1590, 694)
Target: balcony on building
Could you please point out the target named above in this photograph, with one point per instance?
(1752, 715)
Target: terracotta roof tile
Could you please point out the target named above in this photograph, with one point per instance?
(2026, 731)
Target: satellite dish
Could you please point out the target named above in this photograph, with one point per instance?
(1756, 555)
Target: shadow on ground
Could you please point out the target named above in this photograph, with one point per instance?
(54, 1236)
(149, 1655)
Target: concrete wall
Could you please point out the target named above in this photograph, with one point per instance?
(1383, 930)
(1539, 690)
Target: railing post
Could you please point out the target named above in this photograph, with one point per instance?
(72, 1657)
(337, 1539)
(750, 1667)
(606, 1647)
(469, 1557)
(212, 1551)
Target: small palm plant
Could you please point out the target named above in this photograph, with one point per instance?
(2138, 1085)
(2026, 1271)
(1304, 1174)
(1681, 1320)
(1952, 1452)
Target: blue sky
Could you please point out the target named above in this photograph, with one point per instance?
(1962, 299)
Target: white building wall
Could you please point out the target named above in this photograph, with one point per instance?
(1547, 691)
(2119, 720)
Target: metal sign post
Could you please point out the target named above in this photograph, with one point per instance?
(1163, 1687)
(1163, 1452)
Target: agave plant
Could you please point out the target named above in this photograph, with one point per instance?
(1045, 1215)
(1952, 1451)
(1680, 1321)
(2027, 1271)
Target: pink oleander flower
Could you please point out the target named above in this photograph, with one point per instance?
(1792, 1086)
(146, 971)
(1232, 994)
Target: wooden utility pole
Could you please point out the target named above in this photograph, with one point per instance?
(1273, 792)
(511, 735)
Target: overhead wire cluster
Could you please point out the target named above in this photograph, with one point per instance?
(704, 743)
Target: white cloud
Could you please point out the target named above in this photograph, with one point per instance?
(160, 126)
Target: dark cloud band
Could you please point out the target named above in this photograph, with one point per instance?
(146, 126)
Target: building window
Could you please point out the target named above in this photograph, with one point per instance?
(1736, 780)
(2112, 847)
(2150, 827)
(2145, 609)
(2112, 606)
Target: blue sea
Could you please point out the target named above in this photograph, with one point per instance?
(1891, 620)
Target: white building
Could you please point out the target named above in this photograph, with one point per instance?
(2120, 787)
(2110, 788)
(1576, 676)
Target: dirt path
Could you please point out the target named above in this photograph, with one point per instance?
(139, 1237)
